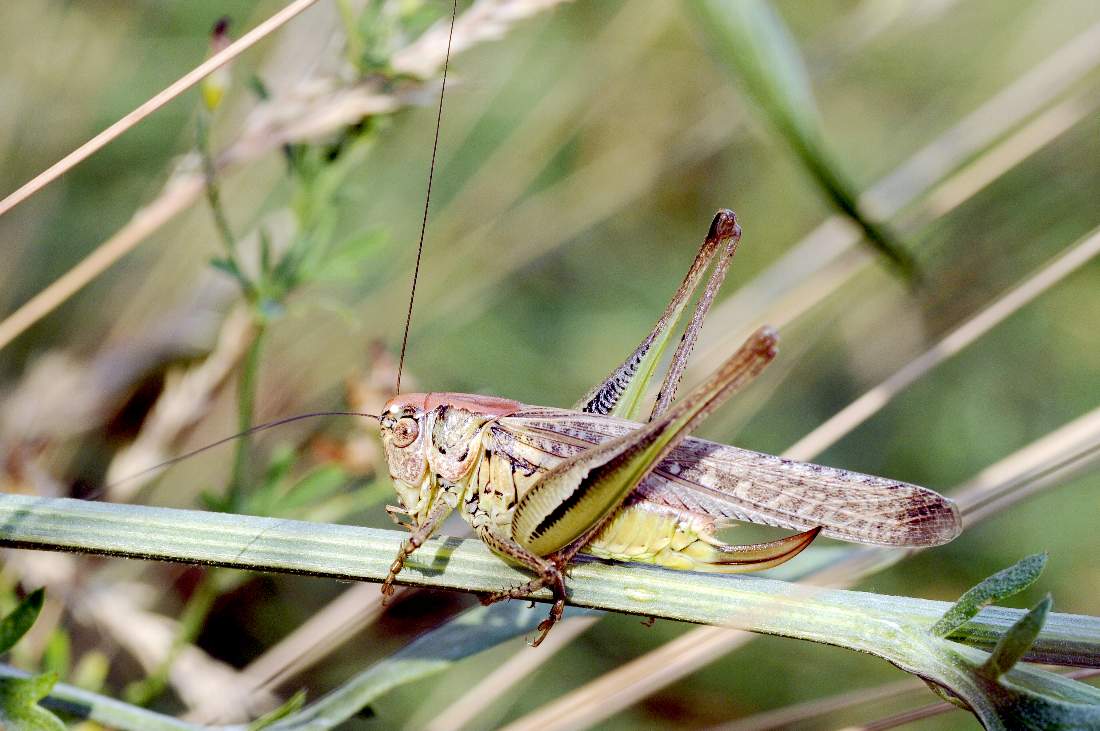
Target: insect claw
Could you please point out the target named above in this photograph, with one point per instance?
(724, 226)
(544, 629)
(395, 514)
(545, 625)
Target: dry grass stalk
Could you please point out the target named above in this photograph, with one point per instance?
(121, 611)
(786, 717)
(783, 286)
(154, 103)
(176, 197)
(327, 630)
(857, 412)
(810, 710)
(935, 709)
(1056, 457)
(186, 399)
(497, 684)
(314, 108)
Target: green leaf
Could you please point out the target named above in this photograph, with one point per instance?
(293, 705)
(258, 87)
(57, 657)
(1035, 700)
(266, 259)
(19, 707)
(314, 487)
(1017, 640)
(99, 709)
(1000, 585)
(214, 502)
(21, 619)
(226, 265)
(751, 40)
(229, 267)
(433, 652)
(91, 671)
(346, 259)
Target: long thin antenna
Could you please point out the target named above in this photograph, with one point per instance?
(246, 432)
(427, 200)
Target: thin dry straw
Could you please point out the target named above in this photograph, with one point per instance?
(181, 191)
(315, 639)
(169, 93)
(835, 237)
(786, 717)
(144, 223)
(857, 412)
(474, 702)
(935, 709)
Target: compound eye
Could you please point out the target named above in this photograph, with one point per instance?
(405, 431)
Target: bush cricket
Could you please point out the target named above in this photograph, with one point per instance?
(539, 485)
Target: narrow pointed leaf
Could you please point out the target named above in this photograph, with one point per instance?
(21, 619)
(465, 635)
(293, 705)
(751, 40)
(1000, 585)
(1017, 640)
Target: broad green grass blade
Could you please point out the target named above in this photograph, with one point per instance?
(750, 39)
(349, 552)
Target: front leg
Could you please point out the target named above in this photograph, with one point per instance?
(420, 534)
(400, 517)
(549, 575)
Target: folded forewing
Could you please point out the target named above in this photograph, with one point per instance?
(727, 482)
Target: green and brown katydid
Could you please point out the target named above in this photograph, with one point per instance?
(539, 485)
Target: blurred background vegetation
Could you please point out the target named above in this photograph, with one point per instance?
(582, 157)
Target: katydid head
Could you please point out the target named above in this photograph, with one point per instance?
(428, 436)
